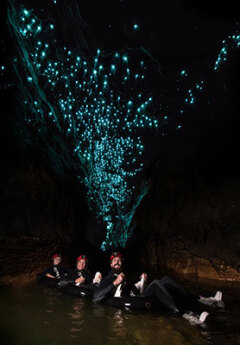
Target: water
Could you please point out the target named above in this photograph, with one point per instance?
(45, 316)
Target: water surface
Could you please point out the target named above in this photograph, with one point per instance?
(46, 316)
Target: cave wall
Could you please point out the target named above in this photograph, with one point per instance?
(41, 213)
(189, 221)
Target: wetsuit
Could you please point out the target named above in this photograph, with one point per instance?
(56, 271)
(170, 294)
(165, 292)
(107, 289)
(74, 274)
(76, 289)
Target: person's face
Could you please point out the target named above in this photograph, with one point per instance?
(81, 264)
(116, 264)
(57, 260)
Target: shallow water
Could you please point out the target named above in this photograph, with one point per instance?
(46, 316)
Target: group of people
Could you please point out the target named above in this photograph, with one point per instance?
(118, 290)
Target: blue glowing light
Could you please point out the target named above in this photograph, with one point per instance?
(98, 107)
(183, 73)
(94, 113)
(228, 44)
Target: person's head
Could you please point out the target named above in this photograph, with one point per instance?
(116, 262)
(56, 259)
(82, 262)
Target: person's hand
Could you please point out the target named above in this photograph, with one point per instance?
(50, 276)
(119, 279)
(80, 280)
(144, 275)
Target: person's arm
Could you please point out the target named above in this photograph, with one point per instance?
(68, 279)
(71, 276)
(106, 286)
(49, 273)
(87, 276)
(101, 293)
(80, 280)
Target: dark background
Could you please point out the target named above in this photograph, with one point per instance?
(179, 35)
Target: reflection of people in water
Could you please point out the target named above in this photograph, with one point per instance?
(119, 323)
(77, 318)
(56, 271)
(166, 292)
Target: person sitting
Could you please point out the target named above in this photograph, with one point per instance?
(81, 275)
(56, 271)
(166, 292)
(81, 278)
(54, 274)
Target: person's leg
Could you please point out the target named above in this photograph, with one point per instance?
(177, 289)
(156, 289)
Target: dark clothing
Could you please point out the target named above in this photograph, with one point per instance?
(168, 293)
(56, 271)
(74, 274)
(107, 289)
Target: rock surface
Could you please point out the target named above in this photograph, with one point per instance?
(189, 222)
(40, 215)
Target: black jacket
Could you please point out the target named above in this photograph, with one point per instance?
(74, 274)
(56, 271)
(107, 289)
